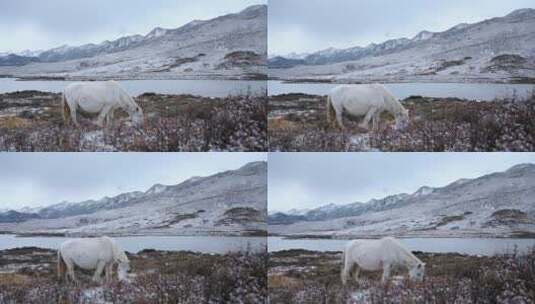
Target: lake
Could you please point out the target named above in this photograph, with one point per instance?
(204, 244)
(472, 91)
(207, 88)
(471, 246)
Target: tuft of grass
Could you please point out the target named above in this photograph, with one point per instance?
(298, 123)
(156, 277)
(450, 278)
(173, 123)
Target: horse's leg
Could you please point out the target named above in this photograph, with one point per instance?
(98, 271)
(386, 272)
(110, 118)
(70, 271)
(339, 111)
(366, 121)
(356, 273)
(109, 273)
(375, 121)
(74, 118)
(102, 115)
(347, 270)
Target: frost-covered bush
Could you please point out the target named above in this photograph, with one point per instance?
(173, 123)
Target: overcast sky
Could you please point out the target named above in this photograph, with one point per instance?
(40, 179)
(312, 25)
(40, 24)
(309, 180)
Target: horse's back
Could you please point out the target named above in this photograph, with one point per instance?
(360, 95)
(376, 246)
(99, 245)
(359, 88)
(94, 93)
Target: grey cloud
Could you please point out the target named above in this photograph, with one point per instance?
(311, 25)
(36, 179)
(308, 180)
(37, 24)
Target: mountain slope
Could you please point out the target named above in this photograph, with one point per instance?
(197, 49)
(231, 202)
(467, 52)
(498, 204)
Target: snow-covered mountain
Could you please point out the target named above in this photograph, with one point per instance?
(498, 204)
(496, 49)
(233, 45)
(231, 202)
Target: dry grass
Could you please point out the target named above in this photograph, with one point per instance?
(155, 277)
(173, 123)
(298, 123)
(450, 278)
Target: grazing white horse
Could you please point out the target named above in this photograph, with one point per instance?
(384, 254)
(99, 97)
(100, 254)
(368, 100)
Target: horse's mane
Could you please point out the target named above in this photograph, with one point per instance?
(404, 249)
(118, 253)
(392, 103)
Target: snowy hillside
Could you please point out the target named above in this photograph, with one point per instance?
(231, 202)
(498, 49)
(233, 45)
(499, 204)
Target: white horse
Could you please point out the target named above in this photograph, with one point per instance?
(368, 100)
(100, 254)
(384, 254)
(99, 97)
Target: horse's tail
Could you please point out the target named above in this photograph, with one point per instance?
(331, 113)
(61, 265)
(65, 109)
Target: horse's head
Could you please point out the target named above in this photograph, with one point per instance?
(136, 113)
(124, 265)
(122, 271)
(402, 119)
(417, 272)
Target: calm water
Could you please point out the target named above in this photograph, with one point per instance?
(472, 91)
(208, 88)
(204, 244)
(472, 246)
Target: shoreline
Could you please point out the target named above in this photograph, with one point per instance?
(306, 80)
(425, 236)
(241, 234)
(245, 77)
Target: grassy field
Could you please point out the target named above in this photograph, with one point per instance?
(297, 122)
(32, 121)
(300, 276)
(28, 275)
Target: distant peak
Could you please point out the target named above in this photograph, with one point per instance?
(521, 167)
(157, 188)
(254, 165)
(425, 190)
(522, 12)
(254, 8)
(423, 35)
(194, 179)
(460, 26)
(157, 32)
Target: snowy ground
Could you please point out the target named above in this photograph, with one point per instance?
(300, 276)
(28, 275)
(297, 122)
(32, 121)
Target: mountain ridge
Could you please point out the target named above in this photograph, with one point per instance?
(193, 49)
(229, 202)
(463, 207)
(467, 52)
